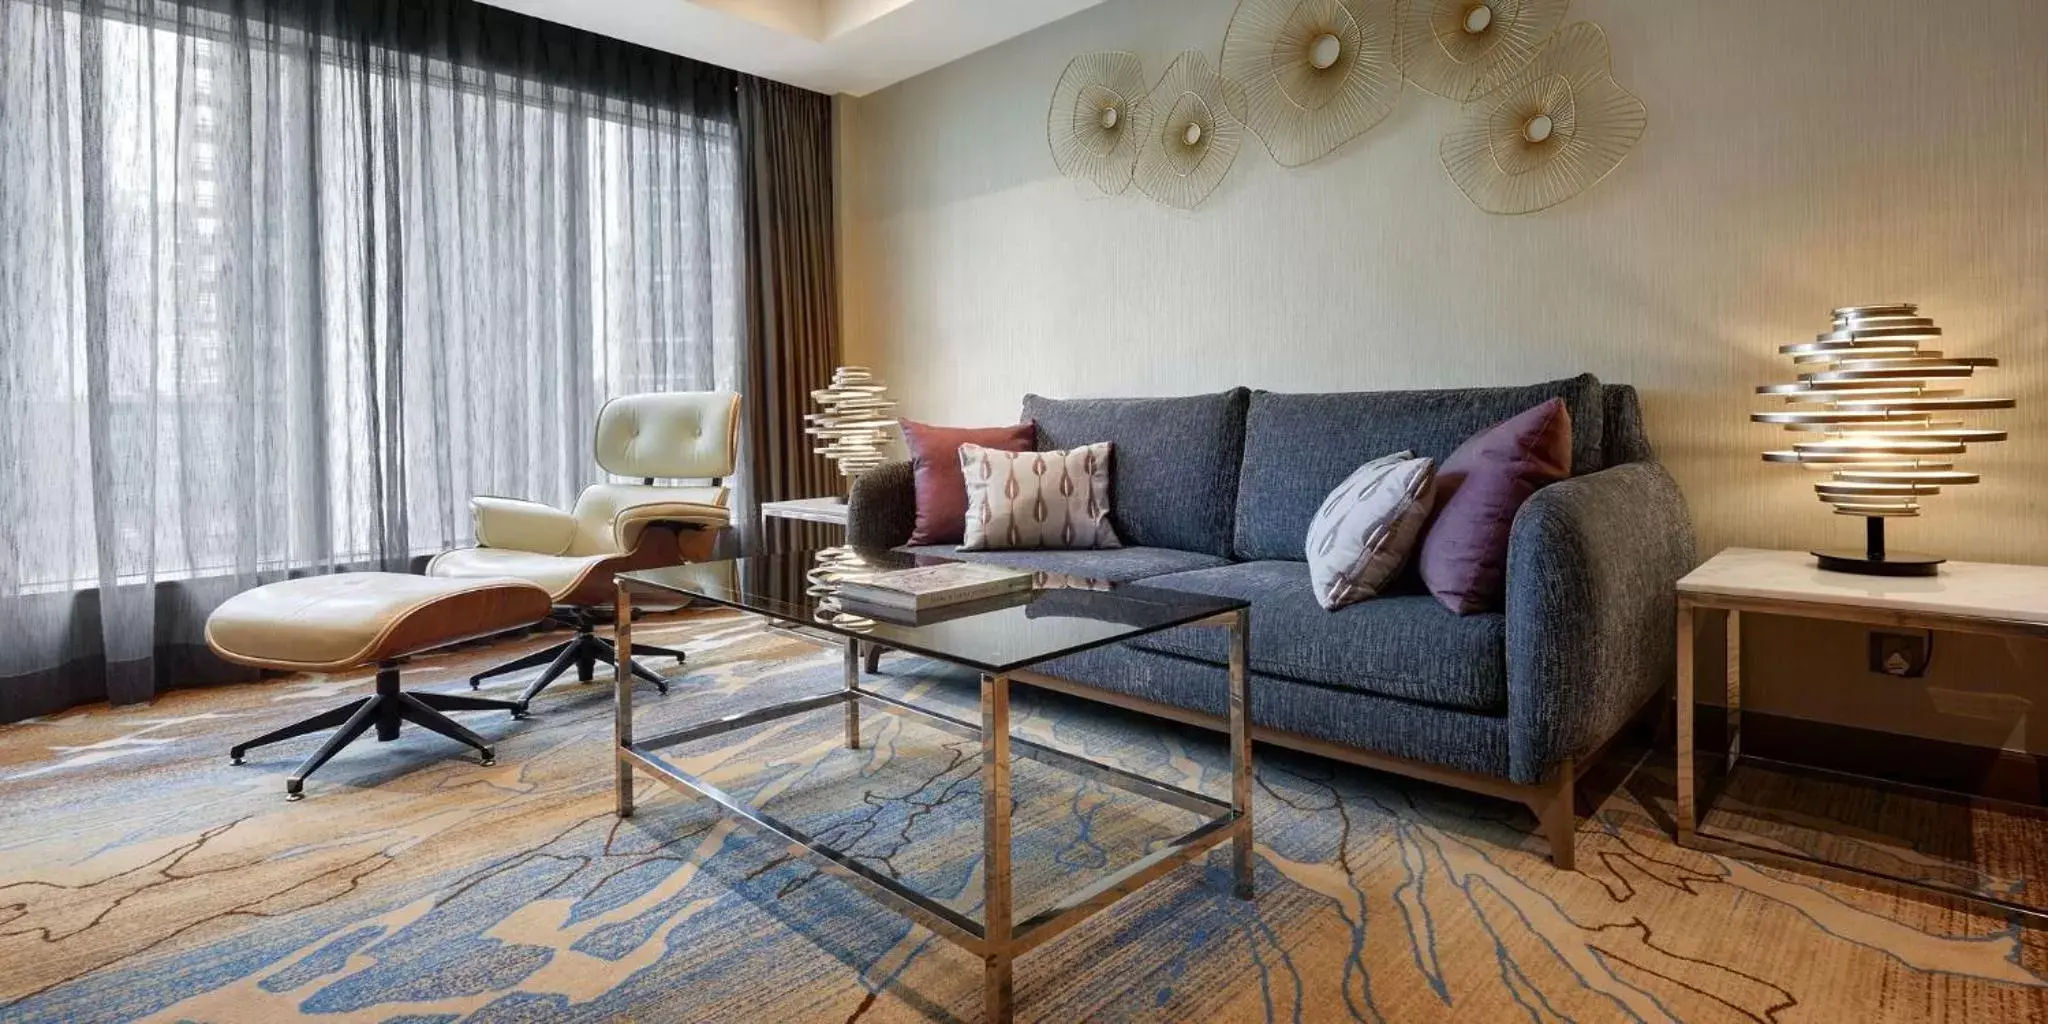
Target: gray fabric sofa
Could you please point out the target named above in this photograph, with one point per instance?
(1214, 493)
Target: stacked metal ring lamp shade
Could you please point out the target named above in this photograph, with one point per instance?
(853, 423)
(852, 429)
(1879, 408)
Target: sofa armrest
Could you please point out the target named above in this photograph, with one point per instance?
(518, 525)
(1593, 564)
(882, 510)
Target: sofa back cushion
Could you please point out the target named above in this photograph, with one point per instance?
(1626, 441)
(1299, 447)
(1174, 474)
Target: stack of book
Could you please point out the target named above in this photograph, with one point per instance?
(906, 593)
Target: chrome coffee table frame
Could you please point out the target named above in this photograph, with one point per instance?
(1001, 940)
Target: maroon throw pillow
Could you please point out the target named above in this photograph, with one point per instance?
(1464, 557)
(935, 466)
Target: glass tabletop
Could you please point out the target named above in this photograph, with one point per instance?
(1061, 615)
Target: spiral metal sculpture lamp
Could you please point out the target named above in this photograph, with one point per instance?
(1187, 136)
(1463, 49)
(1880, 408)
(1312, 74)
(1553, 130)
(852, 429)
(1091, 124)
(853, 426)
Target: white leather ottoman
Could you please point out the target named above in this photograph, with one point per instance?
(345, 621)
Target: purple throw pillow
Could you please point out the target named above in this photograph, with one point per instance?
(1464, 556)
(935, 473)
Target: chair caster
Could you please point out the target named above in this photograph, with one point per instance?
(234, 759)
(487, 761)
(294, 791)
(519, 714)
(476, 684)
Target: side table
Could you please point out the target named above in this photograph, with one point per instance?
(808, 510)
(1967, 597)
(831, 511)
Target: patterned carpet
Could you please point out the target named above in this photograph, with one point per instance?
(142, 877)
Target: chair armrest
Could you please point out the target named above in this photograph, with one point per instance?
(882, 510)
(629, 522)
(1593, 564)
(522, 525)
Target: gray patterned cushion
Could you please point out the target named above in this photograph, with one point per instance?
(1037, 499)
(1367, 528)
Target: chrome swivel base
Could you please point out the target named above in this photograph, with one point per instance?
(387, 709)
(582, 651)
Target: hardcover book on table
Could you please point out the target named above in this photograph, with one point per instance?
(935, 586)
(900, 616)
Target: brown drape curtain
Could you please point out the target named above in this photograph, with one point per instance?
(792, 289)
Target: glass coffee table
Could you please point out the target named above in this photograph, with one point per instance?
(996, 639)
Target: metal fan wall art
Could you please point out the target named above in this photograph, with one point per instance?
(1312, 74)
(1187, 136)
(1552, 130)
(1091, 124)
(1464, 49)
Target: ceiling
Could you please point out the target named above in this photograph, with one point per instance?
(830, 46)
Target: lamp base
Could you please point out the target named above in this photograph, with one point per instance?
(1891, 563)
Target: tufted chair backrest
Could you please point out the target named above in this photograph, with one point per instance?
(670, 435)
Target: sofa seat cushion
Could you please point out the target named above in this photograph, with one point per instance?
(1406, 645)
(1117, 565)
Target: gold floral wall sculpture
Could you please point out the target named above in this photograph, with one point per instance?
(1544, 118)
(1090, 126)
(1551, 131)
(1187, 136)
(1313, 74)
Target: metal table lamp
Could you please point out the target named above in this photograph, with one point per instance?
(853, 425)
(852, 429)
(1879, 407)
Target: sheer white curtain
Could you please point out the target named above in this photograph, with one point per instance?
(284, 282)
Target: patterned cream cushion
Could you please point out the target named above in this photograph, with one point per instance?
(1367, 527)
(1037, 499)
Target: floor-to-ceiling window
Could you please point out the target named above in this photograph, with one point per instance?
(284, 282)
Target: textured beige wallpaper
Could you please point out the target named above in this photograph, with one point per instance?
(1801, 154)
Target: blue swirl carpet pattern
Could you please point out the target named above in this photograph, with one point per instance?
(143, 878)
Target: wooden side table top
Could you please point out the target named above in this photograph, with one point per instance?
(1994, 597)
(810, 510)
